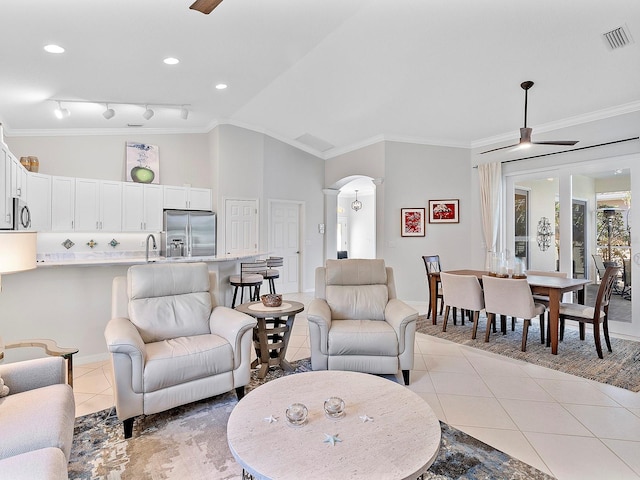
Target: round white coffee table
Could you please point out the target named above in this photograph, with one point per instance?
(388, 431)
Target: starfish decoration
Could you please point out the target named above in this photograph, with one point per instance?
(332, 439)
(366, 418)
(270, 419)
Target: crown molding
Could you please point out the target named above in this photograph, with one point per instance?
(567, 122)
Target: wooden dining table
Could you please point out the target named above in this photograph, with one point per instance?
(553, 287)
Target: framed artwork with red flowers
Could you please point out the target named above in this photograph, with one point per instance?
(412, 222)
(444, 211)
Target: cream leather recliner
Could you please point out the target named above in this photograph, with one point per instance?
(169, 342)
(356, 322)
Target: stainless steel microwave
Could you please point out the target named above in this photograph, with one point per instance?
(21, 215)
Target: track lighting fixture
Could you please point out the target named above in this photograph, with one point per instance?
(61, 113)
(109, 112)
(148, 113)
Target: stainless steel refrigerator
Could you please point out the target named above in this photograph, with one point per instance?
(189, 233)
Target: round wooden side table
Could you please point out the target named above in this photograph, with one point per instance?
(271, 334)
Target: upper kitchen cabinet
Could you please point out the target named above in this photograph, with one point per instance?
(6, 202)
(62, 203)
(18, 179)
(141, 207)
(39, 186)
(98, 205)
(187, 198)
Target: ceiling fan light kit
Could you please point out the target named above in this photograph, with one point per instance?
(525, 132)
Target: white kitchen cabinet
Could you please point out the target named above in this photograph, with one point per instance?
(141, 207)
(62, 203)
(18, 179)
(98, 205)
(39, 187)
(187, 198)
(6, 202)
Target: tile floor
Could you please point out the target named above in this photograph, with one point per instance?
(566, 426)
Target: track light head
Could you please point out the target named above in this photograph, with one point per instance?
(148, 113)
(108, 113)
(61, 113)
(184, 113)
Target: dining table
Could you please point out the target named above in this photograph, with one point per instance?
(553, 287)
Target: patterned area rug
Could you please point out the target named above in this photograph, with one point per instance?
(620, 368)
(189, 443)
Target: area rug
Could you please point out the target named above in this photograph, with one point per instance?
(190, 443)
(620, 368)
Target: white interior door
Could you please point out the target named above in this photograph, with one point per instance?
(241, 218)
(284, 241)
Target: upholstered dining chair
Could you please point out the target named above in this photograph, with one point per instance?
(170, 344)
(356, 323)
(511, 297)
(432, 264)
(463, 292)
(250, 277)
(596, 315)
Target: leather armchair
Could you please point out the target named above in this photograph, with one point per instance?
(356, 322)
(169, 342)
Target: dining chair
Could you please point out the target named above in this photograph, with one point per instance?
(626, 276)
(250, 277)
(511, 297)
(596, 315)
(600, 267)
(463, 292)
(432, 264)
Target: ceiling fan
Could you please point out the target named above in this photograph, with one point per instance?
(525, 133)
(205, 6)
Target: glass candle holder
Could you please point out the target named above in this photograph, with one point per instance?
(334, 407)
(296, 414)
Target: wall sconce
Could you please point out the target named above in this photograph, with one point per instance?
(356, 204)
(544, 234)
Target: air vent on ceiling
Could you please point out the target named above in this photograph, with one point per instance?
(618, 37)
(315, 142)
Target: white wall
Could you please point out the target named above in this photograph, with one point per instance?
(415, 174)
(184, 158)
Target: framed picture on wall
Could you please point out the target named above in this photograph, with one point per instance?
(143, 163)
(412, 222)
(444, 211)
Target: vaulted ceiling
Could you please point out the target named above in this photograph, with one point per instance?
(327, 76)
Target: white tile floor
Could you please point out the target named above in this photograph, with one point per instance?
(566, 426)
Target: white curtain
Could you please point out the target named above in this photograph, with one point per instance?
(490, 195)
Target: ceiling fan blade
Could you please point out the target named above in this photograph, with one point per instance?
(558, 142)
(500, 148)
(205, 6)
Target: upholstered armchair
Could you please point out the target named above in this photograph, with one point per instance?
(356, 322)
(169, 342)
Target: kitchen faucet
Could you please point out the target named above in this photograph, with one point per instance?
(150, 236)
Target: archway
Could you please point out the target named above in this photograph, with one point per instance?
(355, 224)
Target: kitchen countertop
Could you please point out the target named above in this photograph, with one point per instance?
(110, 260)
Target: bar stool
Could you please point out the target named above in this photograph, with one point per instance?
(271, 273)
(251, 277)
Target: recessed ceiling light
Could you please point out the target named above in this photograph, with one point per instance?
(171, 61)
(53, 48)
(221, 86)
